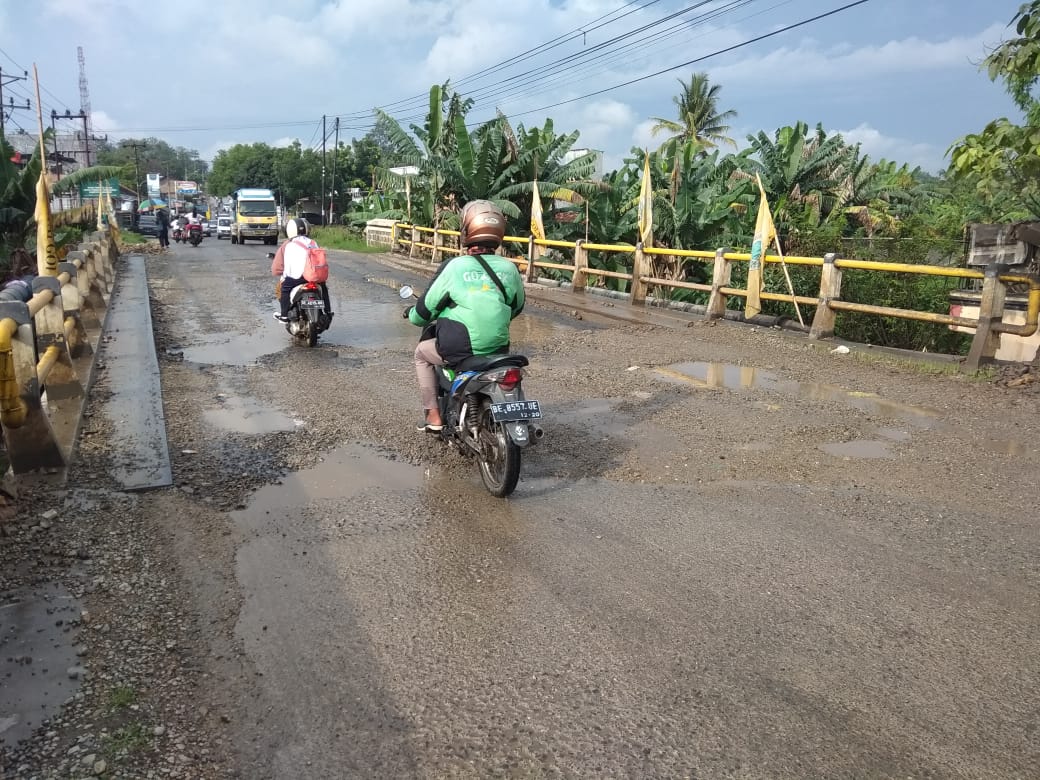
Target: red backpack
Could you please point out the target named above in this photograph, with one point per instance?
(316, 269)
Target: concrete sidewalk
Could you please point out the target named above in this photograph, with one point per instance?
(134, 405)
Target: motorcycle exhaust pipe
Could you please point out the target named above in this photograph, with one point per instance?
(536, 432)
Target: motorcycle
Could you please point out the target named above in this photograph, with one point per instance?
(307, 315)
(177, 234)
(486, 415)
(194, 233)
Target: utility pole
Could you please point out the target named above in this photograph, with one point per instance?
(323, 137)
(137, 169)
(332, 189)
(86, 137)
(10, 80)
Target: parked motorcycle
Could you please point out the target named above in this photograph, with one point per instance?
(486, 415)
(307, 314)
(194, 233)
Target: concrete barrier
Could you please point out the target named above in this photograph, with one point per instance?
(47, 347)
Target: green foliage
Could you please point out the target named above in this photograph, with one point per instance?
(699, 118)
(1003, 160)
(136, 157)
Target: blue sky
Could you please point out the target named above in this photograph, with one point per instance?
(899, 76)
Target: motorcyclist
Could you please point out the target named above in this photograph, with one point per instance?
(291, 258)
(468, 306)
(195, 218)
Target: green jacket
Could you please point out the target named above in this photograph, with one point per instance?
(471, 314)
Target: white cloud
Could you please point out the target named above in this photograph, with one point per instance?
(878, 145)
(810, 62)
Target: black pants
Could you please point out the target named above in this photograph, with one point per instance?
(287, 287)
(164, 236)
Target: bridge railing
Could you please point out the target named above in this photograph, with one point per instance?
(46, 346)
(637, 262)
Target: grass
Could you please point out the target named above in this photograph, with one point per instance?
(131, 238)
(126, 740)
(121, 697)
(333, 237)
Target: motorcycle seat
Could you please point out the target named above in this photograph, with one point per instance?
(488, 362)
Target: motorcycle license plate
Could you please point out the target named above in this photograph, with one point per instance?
(310, 304)
(511, 411)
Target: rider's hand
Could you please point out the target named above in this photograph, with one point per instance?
(407, 311)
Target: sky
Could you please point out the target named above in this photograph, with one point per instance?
(900, 77)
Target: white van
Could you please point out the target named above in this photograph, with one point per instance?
(223, 227)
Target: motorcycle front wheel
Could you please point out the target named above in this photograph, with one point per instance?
(499, 457)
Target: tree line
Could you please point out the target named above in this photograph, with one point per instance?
(825, 193)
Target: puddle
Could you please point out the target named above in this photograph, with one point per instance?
(731, 377)
(247, 415)
(595, 414)
(371, 325)
(237, 349)
(1004, 447)
(36, 652)
(858, 448)
(894, 434)
(344, 472)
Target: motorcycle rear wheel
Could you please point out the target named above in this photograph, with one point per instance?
(312, 334)
(499, 457)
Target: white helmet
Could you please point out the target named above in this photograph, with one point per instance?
(296, 227)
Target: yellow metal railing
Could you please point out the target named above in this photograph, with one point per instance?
(827, 301)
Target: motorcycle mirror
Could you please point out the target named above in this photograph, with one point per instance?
(407, 292)
(270, 255)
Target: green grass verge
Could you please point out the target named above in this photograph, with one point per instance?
(133, 238)
(333, 237)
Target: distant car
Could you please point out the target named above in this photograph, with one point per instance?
(207, 228)
(223, 227)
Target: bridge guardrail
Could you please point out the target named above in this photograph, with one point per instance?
(828, 303)
(41, 343)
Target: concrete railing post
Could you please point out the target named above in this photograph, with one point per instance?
(62, 381)
(532, 255)
(416, 238)
(720, 277)
(991, 312)
(640, 268)
(830, 290)
(72, 302)
(438, 242)
(30, 446)
(581, 265)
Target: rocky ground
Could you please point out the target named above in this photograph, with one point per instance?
(162, 688)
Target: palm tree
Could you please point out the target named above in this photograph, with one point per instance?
(699, 116)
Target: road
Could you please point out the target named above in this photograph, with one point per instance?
(732, 555)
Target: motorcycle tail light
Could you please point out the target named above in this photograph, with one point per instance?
(310, 286)
(511, 378)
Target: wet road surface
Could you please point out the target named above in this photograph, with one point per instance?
(678, 619)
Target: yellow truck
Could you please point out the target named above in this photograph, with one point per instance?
(256, 217)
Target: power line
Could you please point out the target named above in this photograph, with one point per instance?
(540, 48)
(726, 50)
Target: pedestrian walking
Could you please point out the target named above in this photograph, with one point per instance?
(162, 221)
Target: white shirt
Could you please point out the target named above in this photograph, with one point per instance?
(295, 256)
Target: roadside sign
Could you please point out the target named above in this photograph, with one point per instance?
(94, 188)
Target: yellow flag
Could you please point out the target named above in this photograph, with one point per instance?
(765, 235)
(537, 227)
(646, 205)
(46, 254)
